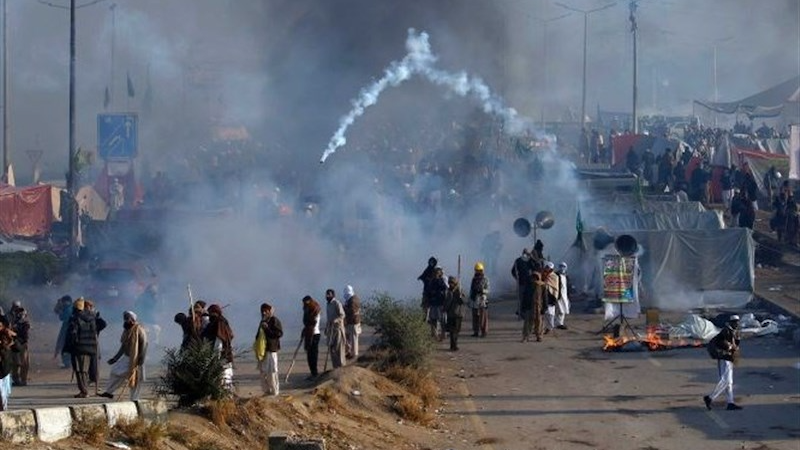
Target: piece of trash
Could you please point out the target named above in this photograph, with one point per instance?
(118, 445)
(356, 393)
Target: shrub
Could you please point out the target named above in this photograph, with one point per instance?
(401, 331)
(192, 374)
(418, 381)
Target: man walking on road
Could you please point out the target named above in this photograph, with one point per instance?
(479, 302)
(334, 329)
(522, 271)
(127, 366)
(724, 347)
(454, 307)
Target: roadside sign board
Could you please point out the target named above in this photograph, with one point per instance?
(117, 135)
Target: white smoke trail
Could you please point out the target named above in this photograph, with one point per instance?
(420, 60)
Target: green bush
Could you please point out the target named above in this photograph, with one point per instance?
(401, 329)
(192, 374)
(27, 268)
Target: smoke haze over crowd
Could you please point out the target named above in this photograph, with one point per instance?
(286, 71)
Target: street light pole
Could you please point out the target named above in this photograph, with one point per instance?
(71, 181)
(585, 48)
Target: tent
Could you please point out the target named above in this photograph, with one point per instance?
(26, 211)
(770, 102)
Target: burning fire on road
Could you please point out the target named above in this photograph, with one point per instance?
(652, 341)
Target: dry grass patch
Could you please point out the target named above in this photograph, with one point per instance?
(142, 434)
(411, 408)
(415, 380)
(221, 411)
(328, 397)
(93, 430)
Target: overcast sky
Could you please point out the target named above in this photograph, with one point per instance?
(288, 68)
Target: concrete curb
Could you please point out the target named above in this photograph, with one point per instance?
(53, 424)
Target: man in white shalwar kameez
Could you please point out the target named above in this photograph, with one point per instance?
(334, 329)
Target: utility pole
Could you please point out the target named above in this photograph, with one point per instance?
(585, 47)
(71, 181)
(634, 29)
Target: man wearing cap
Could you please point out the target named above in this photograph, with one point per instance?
(479, 301)
(724, 347)
(81, 343)
(21, 362)
(128, 364)
(562, 303)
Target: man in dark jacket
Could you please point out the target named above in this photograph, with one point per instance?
(268, 338)
(724, 347)
(81, 343)
(436, 318)
(21, 325)
(522, 271)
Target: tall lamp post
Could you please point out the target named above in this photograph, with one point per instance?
(71, 181)
(6, 139)
(585, 45)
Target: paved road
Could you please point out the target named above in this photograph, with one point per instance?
(566, 393)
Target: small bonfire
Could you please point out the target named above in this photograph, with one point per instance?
(653, 341)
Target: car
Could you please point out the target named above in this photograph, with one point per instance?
(8, 245)
(114, 285)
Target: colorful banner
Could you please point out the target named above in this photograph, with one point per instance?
(619, 279)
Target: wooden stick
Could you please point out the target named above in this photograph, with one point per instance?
(294, 359)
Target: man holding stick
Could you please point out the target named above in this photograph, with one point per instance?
(312, 313)
(127, 366)
(334, 329)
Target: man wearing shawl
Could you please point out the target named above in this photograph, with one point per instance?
(219, 333)
(127, 366)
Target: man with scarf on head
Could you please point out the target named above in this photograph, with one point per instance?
(479, 302)
(312, 313)
(220, 334)
(334, 329)
(724, 347)
(266, 347)
(352, 321)
(127, 366)
(426, 276)
(81, 343)
(21, 325)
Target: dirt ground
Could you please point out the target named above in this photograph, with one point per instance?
(500, 394)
